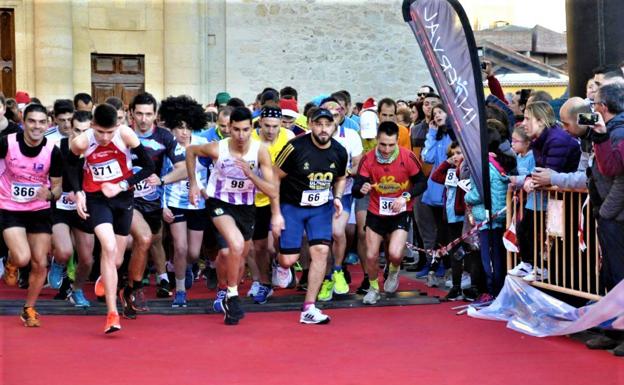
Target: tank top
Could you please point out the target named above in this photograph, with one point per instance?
(23, 176)
(227, 182)
(111, 163)
(274, 149)
(176, 194)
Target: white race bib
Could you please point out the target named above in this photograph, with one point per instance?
(385, 206)
(238, 185)
(23, 192)
(105, 171)
(451, 178)
(63, 203)
(314, 197)
(143, 188)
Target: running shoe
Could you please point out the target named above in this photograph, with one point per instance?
(162, 289)
(297, 266)
(432, 280)
(391, 284)
(99, 287)
(78, 299)
(326, 292)
(30, 317)
(313, 316)
(24, 275)
(455, 294)
(364, 286)
(126, 297)
(65, 291)
(233, 311)
(522, 269)
(179, 299)
(470, 294)
(371, 297)
(537, 274)
(281, 277)
(352, 258)
(217, 305)
(188, 277)
(423, 272)
(484, 299)
(55, 275)
(253, 291)
(340, 283)
(11, 273)
(263, 294)
(112, 323)
(466, 282)
(140, 301)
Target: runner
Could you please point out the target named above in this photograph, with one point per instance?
(231, 191)
(335, 281)
(31, 180)
(107, 198)
(307, 168)
(186, 221)
(391, 175)
(146, 228)
(68, 228)
(275, 138)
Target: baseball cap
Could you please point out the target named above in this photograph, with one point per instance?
(322, 113)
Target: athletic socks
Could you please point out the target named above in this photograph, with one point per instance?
(337, 268)
(180, 284)
(394, 268)
(374, 283)
(163, 276)
(307, 305)
(232, 291)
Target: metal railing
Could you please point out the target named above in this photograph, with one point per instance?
(559, 232)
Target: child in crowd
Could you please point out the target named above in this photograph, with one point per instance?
(448, 175)
(491, 235)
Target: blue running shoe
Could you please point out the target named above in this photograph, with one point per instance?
(188, 278)
(180, 299)
(217, 305)
(352, 259)
(55, 275)
(78, 299)
(263, 294)
(423, 272)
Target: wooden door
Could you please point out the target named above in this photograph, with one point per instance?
(122, 76)
(7, 52)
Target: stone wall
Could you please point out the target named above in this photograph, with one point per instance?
(319, 47)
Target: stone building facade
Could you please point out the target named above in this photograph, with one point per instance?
(201, 47)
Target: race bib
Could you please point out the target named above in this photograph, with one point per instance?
(63, 203)
(465, 185)
(314, 197)
(451, 178)
(106, 171)
(238, 185)
(385, 206)
(23, 192)
(143, 188)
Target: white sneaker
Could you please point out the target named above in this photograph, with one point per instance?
(255, 285)
(537, 274)
(521, 269)
(391, 284)
(371, 297)
(313, 316)
(281, 277)
(466, 282)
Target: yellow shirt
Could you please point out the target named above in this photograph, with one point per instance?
(274, 149)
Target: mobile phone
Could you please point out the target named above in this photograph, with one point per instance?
(587, 119)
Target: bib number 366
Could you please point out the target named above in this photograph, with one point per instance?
(23, 192)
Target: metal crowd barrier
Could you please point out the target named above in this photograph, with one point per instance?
(557, 245)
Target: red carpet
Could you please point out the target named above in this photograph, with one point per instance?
(425, 344)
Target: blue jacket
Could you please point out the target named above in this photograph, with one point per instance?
(498, 190)
(434, 153)
(557, 150)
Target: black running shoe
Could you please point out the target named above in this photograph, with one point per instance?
(455, 294)
(64, 291)
(364, 286)
(162, 290)
(126, 297)
(470, 294)
(233, 311)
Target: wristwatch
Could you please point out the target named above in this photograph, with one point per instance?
(123, 185)
(407, 196)
(162, 181)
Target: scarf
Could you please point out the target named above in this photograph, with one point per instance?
(388, 160)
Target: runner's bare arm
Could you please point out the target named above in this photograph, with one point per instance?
(277, 220)
(265, 184)
(192, 152)
(143, 160)
(56, 187)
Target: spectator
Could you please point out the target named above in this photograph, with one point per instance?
(6, 126)
(404, 117)
(83, 102)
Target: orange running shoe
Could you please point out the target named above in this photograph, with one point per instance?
(112, 323)
(99, 287)
(10, 274)
(30, 317)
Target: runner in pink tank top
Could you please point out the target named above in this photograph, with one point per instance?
(31, 180)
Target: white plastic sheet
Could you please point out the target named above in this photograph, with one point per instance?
(533, 312)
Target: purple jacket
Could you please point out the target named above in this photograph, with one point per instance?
(557, 150)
